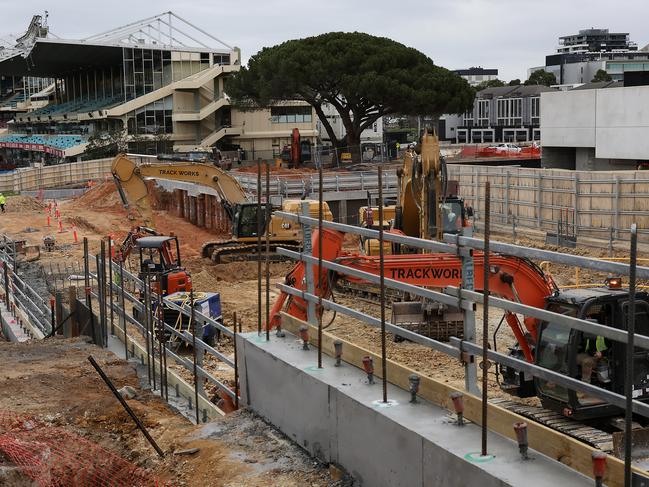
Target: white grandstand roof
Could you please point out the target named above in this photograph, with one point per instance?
(164, 31)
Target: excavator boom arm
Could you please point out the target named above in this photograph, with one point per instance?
(130, 179)
(510, 277)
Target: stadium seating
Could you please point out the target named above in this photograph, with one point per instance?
(12, 100)
(61, 142)
(75, 106)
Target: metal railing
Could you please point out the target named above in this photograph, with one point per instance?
(19, 292)
(465, 298)
(111, 298)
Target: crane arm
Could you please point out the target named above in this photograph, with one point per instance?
(510, 277)
(130, 179)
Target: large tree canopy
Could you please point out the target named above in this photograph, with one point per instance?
(541, 77)
(362, 76)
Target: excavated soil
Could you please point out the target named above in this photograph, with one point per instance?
(53, 381)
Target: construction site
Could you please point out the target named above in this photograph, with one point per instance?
(249, 308)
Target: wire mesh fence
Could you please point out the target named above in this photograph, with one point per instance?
(55, 457)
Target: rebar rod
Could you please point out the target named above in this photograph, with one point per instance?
(384, 357)
(267, 235)
(485, 315)
(236, 365)
(628, 416)
(318, 287)
(145, 329)
(125, 405)
(259, 230)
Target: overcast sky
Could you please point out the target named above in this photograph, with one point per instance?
(511, 35)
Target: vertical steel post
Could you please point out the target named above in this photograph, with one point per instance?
(110, 284)
(485, 315)
(161, 338)
(267, 234)
(628, 386)
(310, 279)
(576, 210)
(468, 282)
(145, 302)
(236, 365)
(151, 332)
(192, 327)
(101, 269)
(539, 200)
(319, 285)
(384, 356)
(616, 208)
(259, 231)
(122, 300)
(5, 270)
(507, 210)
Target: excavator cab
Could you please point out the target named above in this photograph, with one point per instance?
(245, 220)
(585, 356)
(160, 258)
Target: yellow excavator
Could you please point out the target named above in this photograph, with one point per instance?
(427, 204)
(130, 179)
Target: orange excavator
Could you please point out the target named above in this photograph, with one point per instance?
(550, 345)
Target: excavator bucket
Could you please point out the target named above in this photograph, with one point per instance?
(439, 324)
(639, 442)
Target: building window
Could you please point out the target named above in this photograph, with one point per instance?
(535, 112)
(151, 119)
(510, 111)
(300, 114)
(468, 118)
(483, 113)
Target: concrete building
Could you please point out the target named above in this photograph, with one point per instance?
(141, 80)
(578, 57)
(595, 129)
(503, 114)
(478, 75)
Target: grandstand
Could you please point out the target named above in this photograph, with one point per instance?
(141, 79)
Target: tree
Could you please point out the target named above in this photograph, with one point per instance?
(514, 82)
(492, 83)
(106, 144)
(601, 75)
(361, 76)
(541, 77)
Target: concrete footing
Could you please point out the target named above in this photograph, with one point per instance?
(337, 417)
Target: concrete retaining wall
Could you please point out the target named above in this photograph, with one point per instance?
(337, 417)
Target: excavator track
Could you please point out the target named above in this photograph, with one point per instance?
(587, 434)
(226, 251)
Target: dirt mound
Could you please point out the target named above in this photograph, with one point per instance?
(83, 224)
(208, 277)
(23, 203)
(102, 196)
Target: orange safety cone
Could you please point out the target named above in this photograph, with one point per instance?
(49, 221)
(57, 213)
(61, 227)
(74, 234)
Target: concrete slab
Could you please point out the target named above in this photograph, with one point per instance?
(401, 445)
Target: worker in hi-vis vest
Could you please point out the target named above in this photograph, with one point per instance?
(590, 352)
(2, 202)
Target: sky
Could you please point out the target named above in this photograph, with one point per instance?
(510, 35)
